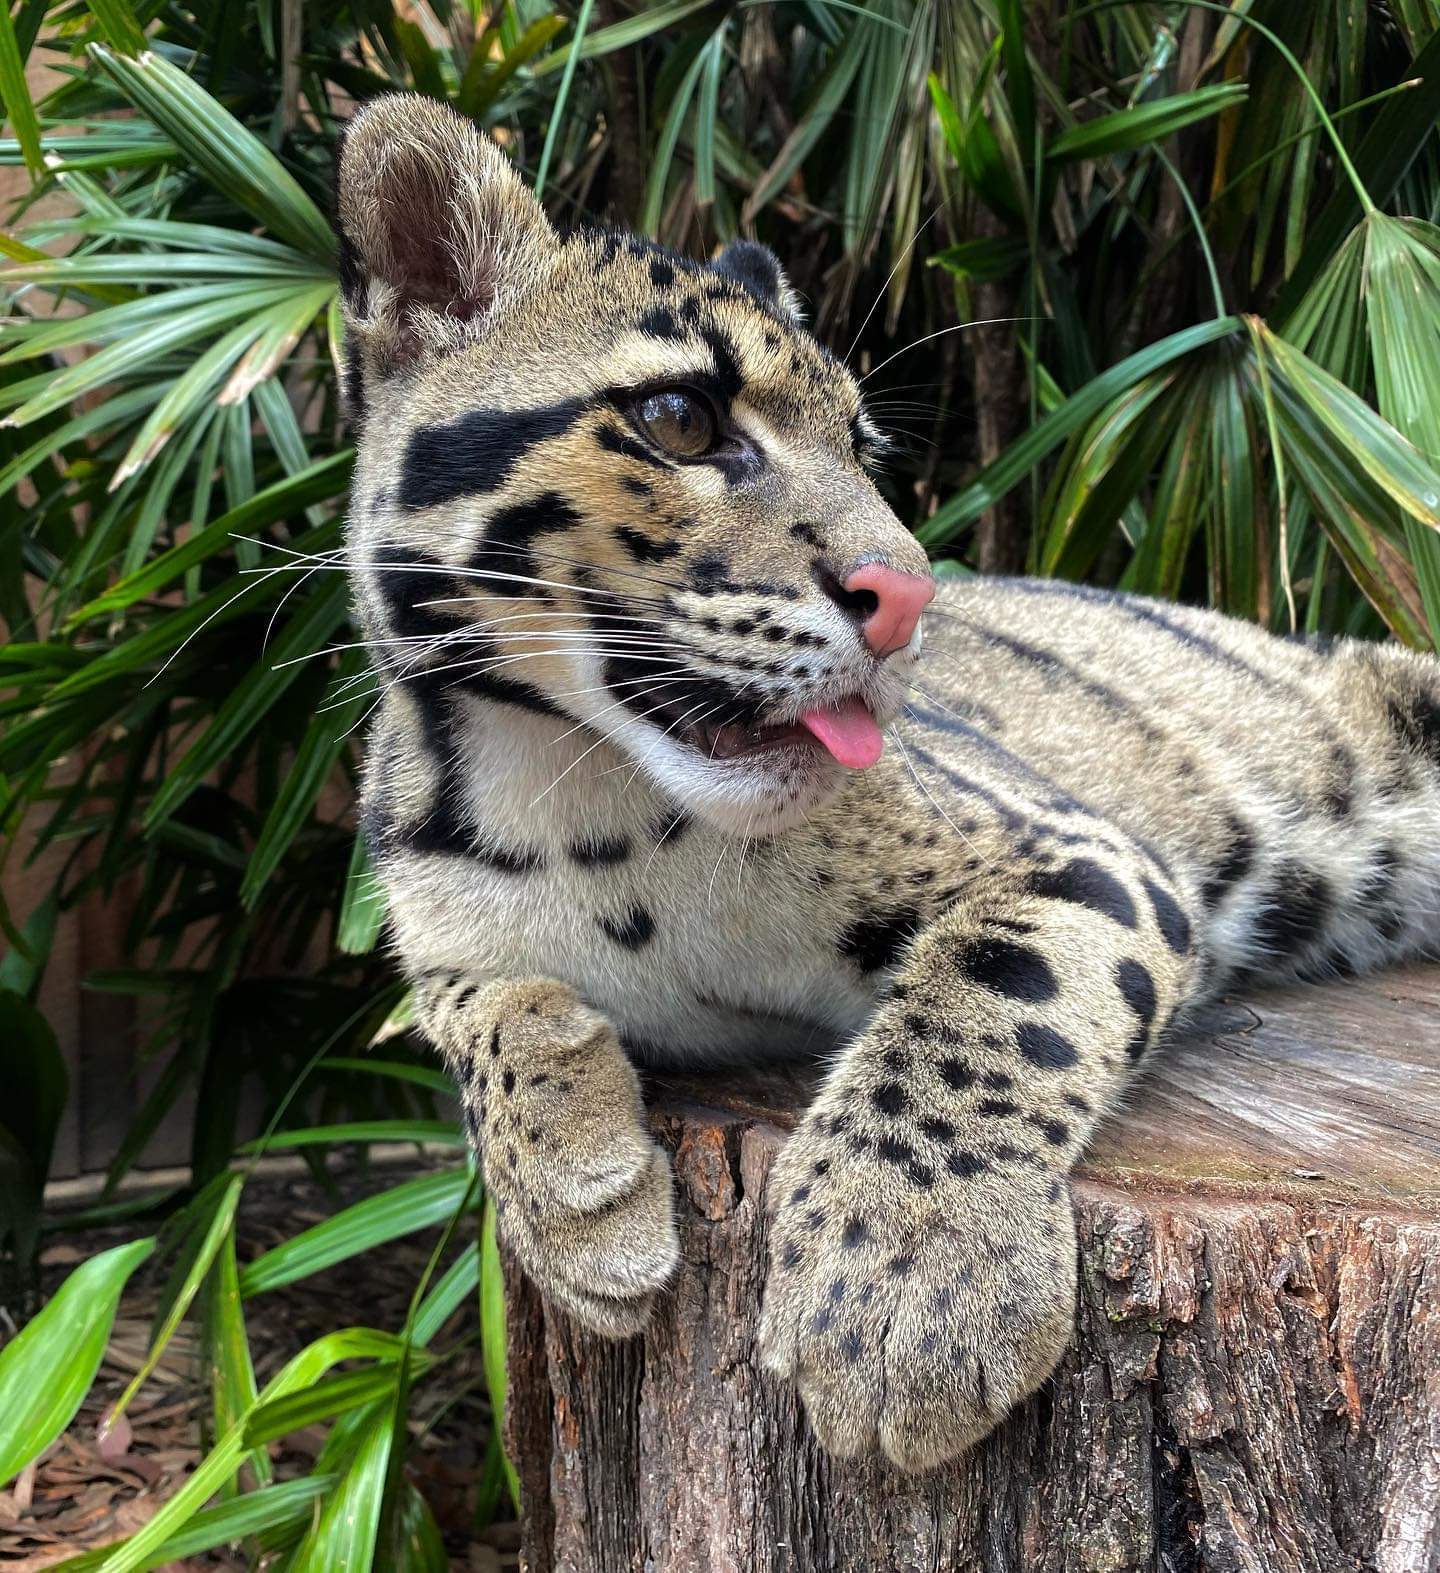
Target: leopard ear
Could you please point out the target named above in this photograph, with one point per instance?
(437, 231)
(758, 269)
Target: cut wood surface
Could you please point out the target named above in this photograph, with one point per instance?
(1254, 1383)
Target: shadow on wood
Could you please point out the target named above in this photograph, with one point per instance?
(1255, 1379)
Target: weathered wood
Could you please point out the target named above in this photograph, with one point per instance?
(1254, 1384)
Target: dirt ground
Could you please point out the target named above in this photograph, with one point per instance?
(78, 1496)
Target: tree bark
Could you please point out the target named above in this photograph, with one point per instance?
(1254, 1385)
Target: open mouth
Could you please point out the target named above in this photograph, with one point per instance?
(847, 731)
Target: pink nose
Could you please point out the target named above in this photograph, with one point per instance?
(900, 598)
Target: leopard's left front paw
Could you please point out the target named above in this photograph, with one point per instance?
(913, 1317)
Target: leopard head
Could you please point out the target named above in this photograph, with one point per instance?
(603, 481)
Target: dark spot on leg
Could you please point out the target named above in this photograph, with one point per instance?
(1045, 1047)
(956, 1074)
(1173, 924)
(1237, 862)
(1299, 906)
(1056, 1132)
(875, 942)
(1137, 988)
(895, 1151)
(1086, 884)
(1016, 971)
(889, 1098)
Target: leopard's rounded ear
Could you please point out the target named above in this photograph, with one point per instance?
(758, 269)
(436, 229)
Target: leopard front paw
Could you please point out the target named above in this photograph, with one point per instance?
(604, 1266)
(583, 1193)
(913, 1318)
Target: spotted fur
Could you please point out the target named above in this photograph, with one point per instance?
(1094, 810)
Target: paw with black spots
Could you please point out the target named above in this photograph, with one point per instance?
(582, 1192)
(912, 1318)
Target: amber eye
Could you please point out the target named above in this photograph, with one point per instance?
(678, 422)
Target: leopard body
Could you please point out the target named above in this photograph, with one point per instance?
(1094, 811)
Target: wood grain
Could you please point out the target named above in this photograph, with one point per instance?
(1254, 1384)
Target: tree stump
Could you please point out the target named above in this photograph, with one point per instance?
(1254, 1383)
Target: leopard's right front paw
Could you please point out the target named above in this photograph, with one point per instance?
(912, 1317)
(583, 1194)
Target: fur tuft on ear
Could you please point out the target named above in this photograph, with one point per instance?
(758, 269)
(437, 231)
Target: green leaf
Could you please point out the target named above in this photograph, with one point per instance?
(117, 23)
(222, 1221)
(220, 1464)
(557, 110)
(322, 1400)
(664, 155)
(324, 479)
(1113, 458)
(1391, 144)
(227, 1351)
(15, 95)
(437, 1132)
(990, 257)
(1026, 452)
(411, 1205)
(47, 1368)
(228, 155)
(1124, 130)
(275, 1508)
(707, 110)
(1401, 285)
(23, 964)
(492, 1333)
(169, 333)
(343, 1541)
(480, 90)
(952, 128)
(325, 741)
(623, 34)
(186, 397)
(418, 1075)
(416, 1545)
(821, 106)
(459, 1282)
(1370, 443)
(362, 906)
(253, 698)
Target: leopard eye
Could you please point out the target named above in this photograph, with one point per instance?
(678, 422)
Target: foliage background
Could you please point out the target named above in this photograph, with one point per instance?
(1197, 241)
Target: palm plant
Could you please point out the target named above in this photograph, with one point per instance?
(1200, 241)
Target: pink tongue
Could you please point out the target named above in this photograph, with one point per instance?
(848, 731)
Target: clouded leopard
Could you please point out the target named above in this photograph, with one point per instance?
(662, 774)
